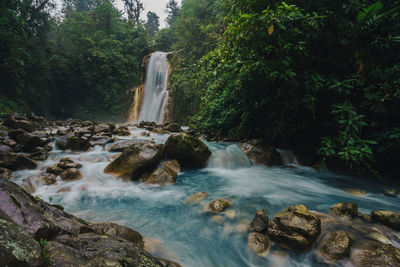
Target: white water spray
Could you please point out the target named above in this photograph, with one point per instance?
(155, 91)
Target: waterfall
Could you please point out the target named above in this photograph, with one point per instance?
(155, 91)
(227, 157)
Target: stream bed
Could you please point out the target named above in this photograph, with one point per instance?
(184, 232)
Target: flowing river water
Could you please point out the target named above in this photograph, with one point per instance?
(185, 233)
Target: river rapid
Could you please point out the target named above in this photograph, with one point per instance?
(184, 232)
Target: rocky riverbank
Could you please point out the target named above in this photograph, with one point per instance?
(35, 233)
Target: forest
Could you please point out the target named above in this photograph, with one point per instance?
(319, 77)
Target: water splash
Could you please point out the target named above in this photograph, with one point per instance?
(227, 157)
(155, 91)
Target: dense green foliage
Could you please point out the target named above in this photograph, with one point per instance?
(81, 66)
(317, 75)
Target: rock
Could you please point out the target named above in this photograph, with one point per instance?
(14, 133)
(28, 141)
(38, 218)
(121, 130)
(173, 127)
(158, 130)
(258, 243)
(17, 247)
(188, 150)
(333, 247)
(68, 165)
(100, 140)
(71, 175)
(374, 254)
(165, 173)
(121, 146)
(10, 142)
(344, 209)
(260, 153)
(388, 218)
(105, 129)
(39, 153)
(48, 178)
(218, 205)
(116, 230)
(136, 160)
(6, 173)
(295, 228)
(16, 162)
(61, 142)
(390, 192)
(196, 197)
(64, 189)
(259, 223)
(5, 149)
(355, 192)
(54, 170)
(77, 143)
(91, 249)
(14, 123)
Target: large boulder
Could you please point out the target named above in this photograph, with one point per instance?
(165, 173)
(29, 141)
(17, 247)
(16, 162)
(374, 254)
(261, 153)
(38, 218)
(91, 249)
(121, 146)
(259, 223)
(191, 152)
(136, 160)
(295, 228)
(388, 218)
(333, 247)
(116, 230)
(344, 209)
(19, 123)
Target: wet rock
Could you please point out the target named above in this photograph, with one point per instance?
(147, 124)
(259, 223)
(121, 146)
(258, 243)
(390, 192)
(218, 205)
(38, 218)
(17, 247)
(355, 192)
(374, 254)
(39, 153)
(333, 247)
(105, 129)
(116, 230)
(344, 209)
(191, 152)
(6, 173)
(28, 141)
(5, 149)
(61, 142)
(173, 127)
(100, 140)
(95, 250)
(54, 170)
(121, 130)
(16, 162)
(196, 197)
(261, 153)
(388, 218)
(9, 142)
(295, 228)
(77, 143)
(48, 178)
(14, 133)
(165, 173)
(365, 217)
(158, 130)
(136, 160)
(64, 189)
(71, 175)
(68, 165)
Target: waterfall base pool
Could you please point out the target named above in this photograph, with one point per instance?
(184, 232)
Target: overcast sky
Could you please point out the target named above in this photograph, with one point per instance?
(156, 6)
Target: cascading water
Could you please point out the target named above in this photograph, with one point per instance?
(155, 91)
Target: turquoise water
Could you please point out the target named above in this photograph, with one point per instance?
(185, 233)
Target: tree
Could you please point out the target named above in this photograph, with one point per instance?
(134, 8)
(172, 11)
(153, 23)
